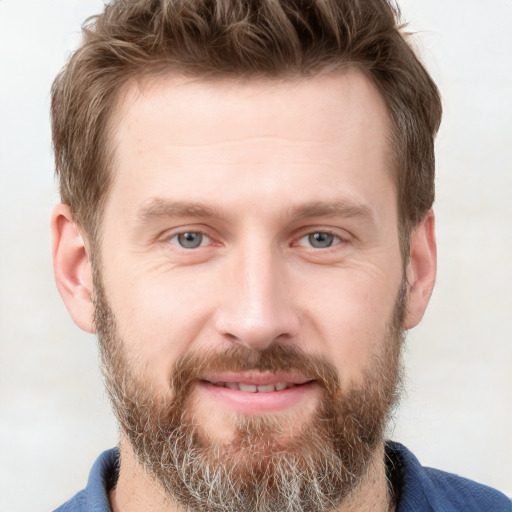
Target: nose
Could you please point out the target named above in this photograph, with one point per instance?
(257, 308)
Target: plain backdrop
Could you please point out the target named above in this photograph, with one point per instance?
(457, 414)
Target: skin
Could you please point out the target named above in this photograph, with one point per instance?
(268, 163)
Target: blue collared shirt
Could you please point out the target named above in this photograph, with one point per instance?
(418, 489)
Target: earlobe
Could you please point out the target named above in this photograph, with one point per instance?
(72, 268)
(421, 270)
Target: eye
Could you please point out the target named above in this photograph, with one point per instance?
(190, 239)
(319, 240)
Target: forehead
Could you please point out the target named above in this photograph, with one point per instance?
(176, 134)
(326, 104)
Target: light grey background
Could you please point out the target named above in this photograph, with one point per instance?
(457, 415)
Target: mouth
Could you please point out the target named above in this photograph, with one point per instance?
(247, 387)
(258, 393)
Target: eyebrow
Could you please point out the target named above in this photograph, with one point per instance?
(343, 208)
(158, 208)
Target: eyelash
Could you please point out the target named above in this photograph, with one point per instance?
(190, 232)
(205, 239)
(336, 239)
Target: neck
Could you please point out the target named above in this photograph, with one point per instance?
(136, 490)
(373, 492)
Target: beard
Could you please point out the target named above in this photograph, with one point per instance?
(272, 463)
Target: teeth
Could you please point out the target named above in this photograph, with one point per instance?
(266, 389)
(248, 388)
(253, 388)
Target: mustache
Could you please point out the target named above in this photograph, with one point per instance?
(277, 358)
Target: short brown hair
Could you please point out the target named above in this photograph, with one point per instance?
(264, 38)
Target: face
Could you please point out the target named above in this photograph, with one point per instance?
(249, 283)
(250, 213)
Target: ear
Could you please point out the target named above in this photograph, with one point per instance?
(72, 268)
(421, 270)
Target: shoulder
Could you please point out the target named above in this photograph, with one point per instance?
(102, 477)
(431, 490)
(453, 491)
(76, 504)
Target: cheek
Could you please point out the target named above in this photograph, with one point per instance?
(350, 318)
(159, 319)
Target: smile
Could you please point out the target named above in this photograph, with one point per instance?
(257, 393)
(254, 388)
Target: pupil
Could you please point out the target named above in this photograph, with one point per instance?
(321, 240)
(190, 240)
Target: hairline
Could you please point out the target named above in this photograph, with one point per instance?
(144, 78)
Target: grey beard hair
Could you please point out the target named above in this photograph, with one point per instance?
(291, 485)
(288, 483)
(262, 470)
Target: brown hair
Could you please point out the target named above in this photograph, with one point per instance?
(264, 38)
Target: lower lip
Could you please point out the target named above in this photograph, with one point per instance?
(257, 403)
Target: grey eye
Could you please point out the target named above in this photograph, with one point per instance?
(320, 240)
(189, 240)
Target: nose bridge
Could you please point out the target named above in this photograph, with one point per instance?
(258, 307)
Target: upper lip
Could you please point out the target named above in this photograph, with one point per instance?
(256, 378)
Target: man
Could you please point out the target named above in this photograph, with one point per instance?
(246, 224)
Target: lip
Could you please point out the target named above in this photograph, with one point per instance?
(257, 378)
(247, 402)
